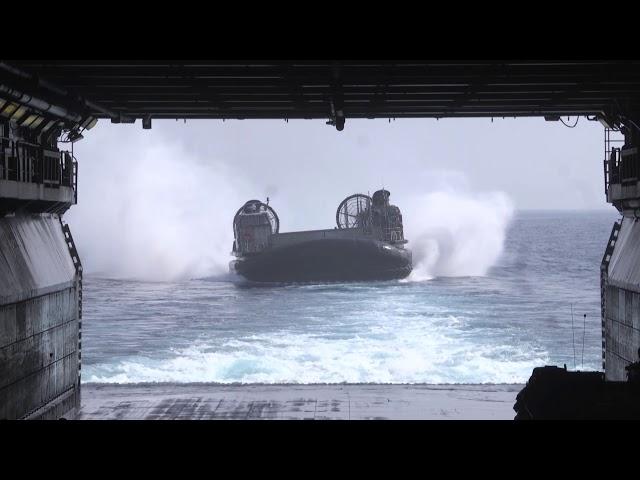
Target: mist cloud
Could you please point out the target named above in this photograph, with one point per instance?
(159, 204)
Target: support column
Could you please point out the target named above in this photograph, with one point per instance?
(39, 344)
(621, 274)
(39, 281)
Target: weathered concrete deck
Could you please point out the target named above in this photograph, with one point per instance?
(308, 402)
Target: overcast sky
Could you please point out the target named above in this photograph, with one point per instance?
(538, 164)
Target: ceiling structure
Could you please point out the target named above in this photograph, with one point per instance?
(332, 90)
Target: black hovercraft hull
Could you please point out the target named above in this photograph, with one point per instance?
(327, 260)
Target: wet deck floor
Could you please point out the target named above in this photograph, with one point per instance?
(303, 402)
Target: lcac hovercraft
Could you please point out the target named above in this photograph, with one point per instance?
(367, 244)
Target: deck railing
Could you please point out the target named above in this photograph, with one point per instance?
(22, 161)
(620, 165)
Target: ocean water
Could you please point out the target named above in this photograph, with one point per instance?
(491, 328)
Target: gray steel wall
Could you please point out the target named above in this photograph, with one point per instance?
(622, 330)
(39, 344)
(622, 315)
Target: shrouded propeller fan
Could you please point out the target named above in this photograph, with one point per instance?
(354, 211)
(256, 206)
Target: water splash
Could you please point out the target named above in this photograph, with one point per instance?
(396, 352)
(156, 213)
(456, 234)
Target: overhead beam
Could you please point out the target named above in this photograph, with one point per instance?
(336, 90)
